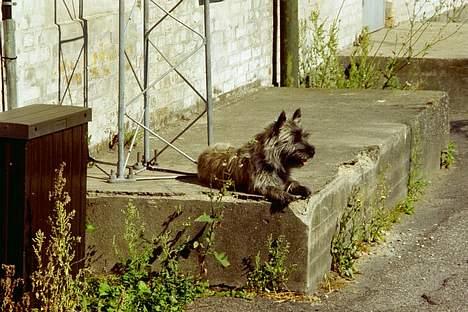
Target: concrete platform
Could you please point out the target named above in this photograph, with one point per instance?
(360, 138)
(444, 66)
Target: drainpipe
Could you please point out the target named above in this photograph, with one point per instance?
(289, 43)
(9, 48)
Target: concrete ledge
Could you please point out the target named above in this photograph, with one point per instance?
(360, 137)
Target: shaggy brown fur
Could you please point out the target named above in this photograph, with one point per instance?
(263, 165)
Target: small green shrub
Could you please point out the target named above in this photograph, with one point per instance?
(272, 274)
(416, 182)
(349, 235)
(205, 243)
(361, 226)
(12, 297)
(321, 67)
(54, 286)
(133, 284)
(447, 156)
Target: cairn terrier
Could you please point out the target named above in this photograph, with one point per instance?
(263, 165)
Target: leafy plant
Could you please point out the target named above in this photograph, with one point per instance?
(348, 237)
(12, 297)
(54, 286)
(134, 285)
(272, 274)
(320, 65)
(447, 156)
(361, 73)
(416, 183)
(205, 244)
(380, 218)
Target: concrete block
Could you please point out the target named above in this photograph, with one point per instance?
(362, 138)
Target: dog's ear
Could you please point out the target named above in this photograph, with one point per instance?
(297, 116)
(280, 122)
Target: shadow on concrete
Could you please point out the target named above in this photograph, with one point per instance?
(459, 126)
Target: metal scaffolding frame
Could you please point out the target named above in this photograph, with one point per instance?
(74, 11)
(143, 122)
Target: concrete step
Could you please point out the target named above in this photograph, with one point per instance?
(364, 140)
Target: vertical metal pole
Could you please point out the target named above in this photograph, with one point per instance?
(289, 43)
(84, 26)
(2, 76)
(275, 44)
(121, 129)
(209, 95)
(146, 146)
(10, 54)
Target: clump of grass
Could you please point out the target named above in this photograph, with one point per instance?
(447, 156)
(362, 225)
(416, 182)
(273, 274)
(348, 238)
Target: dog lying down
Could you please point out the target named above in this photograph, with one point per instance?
(263, 165)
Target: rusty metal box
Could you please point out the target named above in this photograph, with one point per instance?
(34, 141)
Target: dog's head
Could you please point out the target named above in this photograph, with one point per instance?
(288, 141)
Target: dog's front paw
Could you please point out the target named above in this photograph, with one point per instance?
(303, 191)
(298, 189)
(284, 199)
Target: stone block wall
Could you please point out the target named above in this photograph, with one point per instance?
(348, 13)
(241, 54)
(242, 44)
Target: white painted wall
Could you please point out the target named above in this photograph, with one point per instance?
(241, 54)
(241, 50)
(402, 10)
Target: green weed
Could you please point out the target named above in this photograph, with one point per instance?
(321, 67)
(12, 297)
(447, 156)
(416, 183)
(54, 286)
(133, 284)
(272, 274)
(348, 238)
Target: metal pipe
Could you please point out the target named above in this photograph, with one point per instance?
(2, 77)
(121, 111)
(181, 133)
(164, 17)
(146, 141)
(162, 76)
(275, 44)
(172, 177)
(162, 139)
(9, 48)
(177, 71)
(84, 26)
(209, 99)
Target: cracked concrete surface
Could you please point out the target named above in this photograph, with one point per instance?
(422, 266)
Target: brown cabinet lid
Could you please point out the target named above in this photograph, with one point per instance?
(41, 119)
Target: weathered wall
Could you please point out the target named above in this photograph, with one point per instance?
(241, 54)
(350, 16)
(401, 10)
(241, 51)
